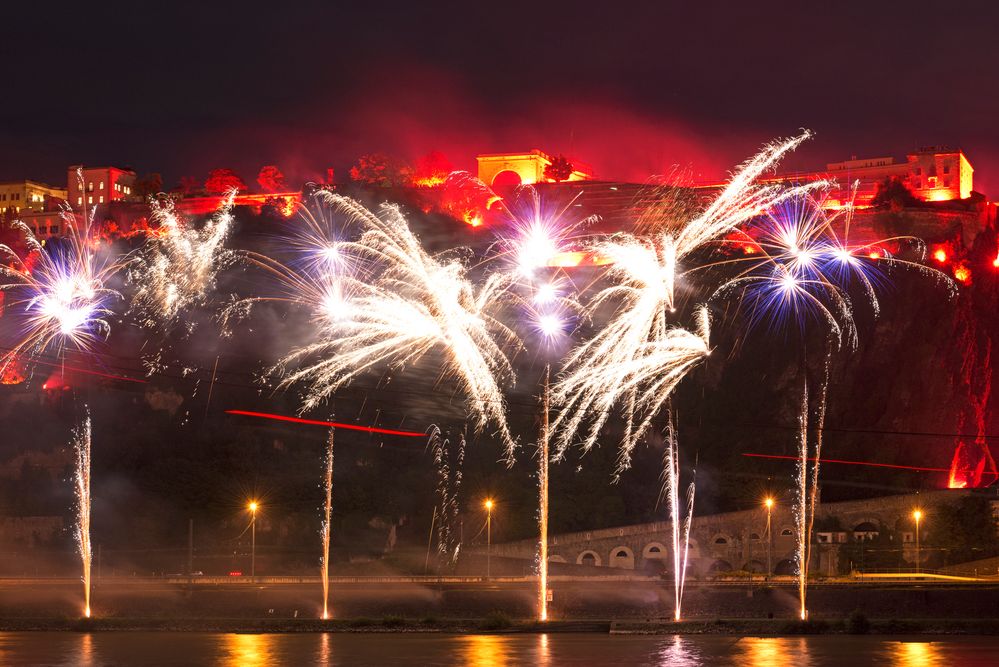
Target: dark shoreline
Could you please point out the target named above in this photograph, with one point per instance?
(735, 627)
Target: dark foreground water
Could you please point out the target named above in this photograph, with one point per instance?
(246, 650)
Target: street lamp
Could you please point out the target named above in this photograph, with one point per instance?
(489, 534)
(769, 503)
(253, 537)
(917, 515)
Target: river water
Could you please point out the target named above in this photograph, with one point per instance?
(248, 650)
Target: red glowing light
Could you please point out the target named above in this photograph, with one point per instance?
(940, 255)
(874, 254)
(749, 249)
(317, 422)
(963, 275)
(995, 262)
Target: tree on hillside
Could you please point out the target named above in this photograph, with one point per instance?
(221, 181)
(559, 170)
(271, 179)
(381, 170)
(965, 530)
(148, 185)
(892, 193)
(432, 169)
(188, 185)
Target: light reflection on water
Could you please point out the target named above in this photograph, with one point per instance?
(176, 649)
(249, 650)
(918, 654)
(486, 650)
(774, 651)
(679, 651)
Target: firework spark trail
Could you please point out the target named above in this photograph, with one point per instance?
(543, 462)
(81, 446)
(820, 418)
(538, 232)
(671, 484)
(618, 365)
(412, 304)
(448, 463)
(644, 377)
(178, 267)
(327, 526)
(62, 287)
(801, 507)
(805, 272)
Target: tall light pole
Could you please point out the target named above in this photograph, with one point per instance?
(253, 537)
(769, 503)
(489, 536)
(917, 515)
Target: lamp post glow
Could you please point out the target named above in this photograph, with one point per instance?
(769, 503)
(253, 537)
(917, 515)
(489, 535)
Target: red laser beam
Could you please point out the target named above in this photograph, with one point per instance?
(318, 422)
(855, 463)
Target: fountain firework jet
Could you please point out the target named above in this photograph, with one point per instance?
(178, 266)
(543, 455)
(680, 535)
(805, 267)
(61, 287)
(406, 304)
(327, 526)
(81, 445)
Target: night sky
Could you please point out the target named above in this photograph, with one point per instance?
(181, 88)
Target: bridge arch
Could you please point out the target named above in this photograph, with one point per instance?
(622, 557)
(720, 565)
(588, 557)
(655, 551)
(785, 566)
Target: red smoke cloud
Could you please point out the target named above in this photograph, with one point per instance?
(411, 111)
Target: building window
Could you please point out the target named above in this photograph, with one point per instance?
(101, 199)
(946, 168)
(946, 182)
(90, 200)
(101, 186)
(90, 186)
(786, 532)
(79, 201)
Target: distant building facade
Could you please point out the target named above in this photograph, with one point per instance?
(512, 169)
(721, 543)
(21, 196)
(932, 173)
(98, 185)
